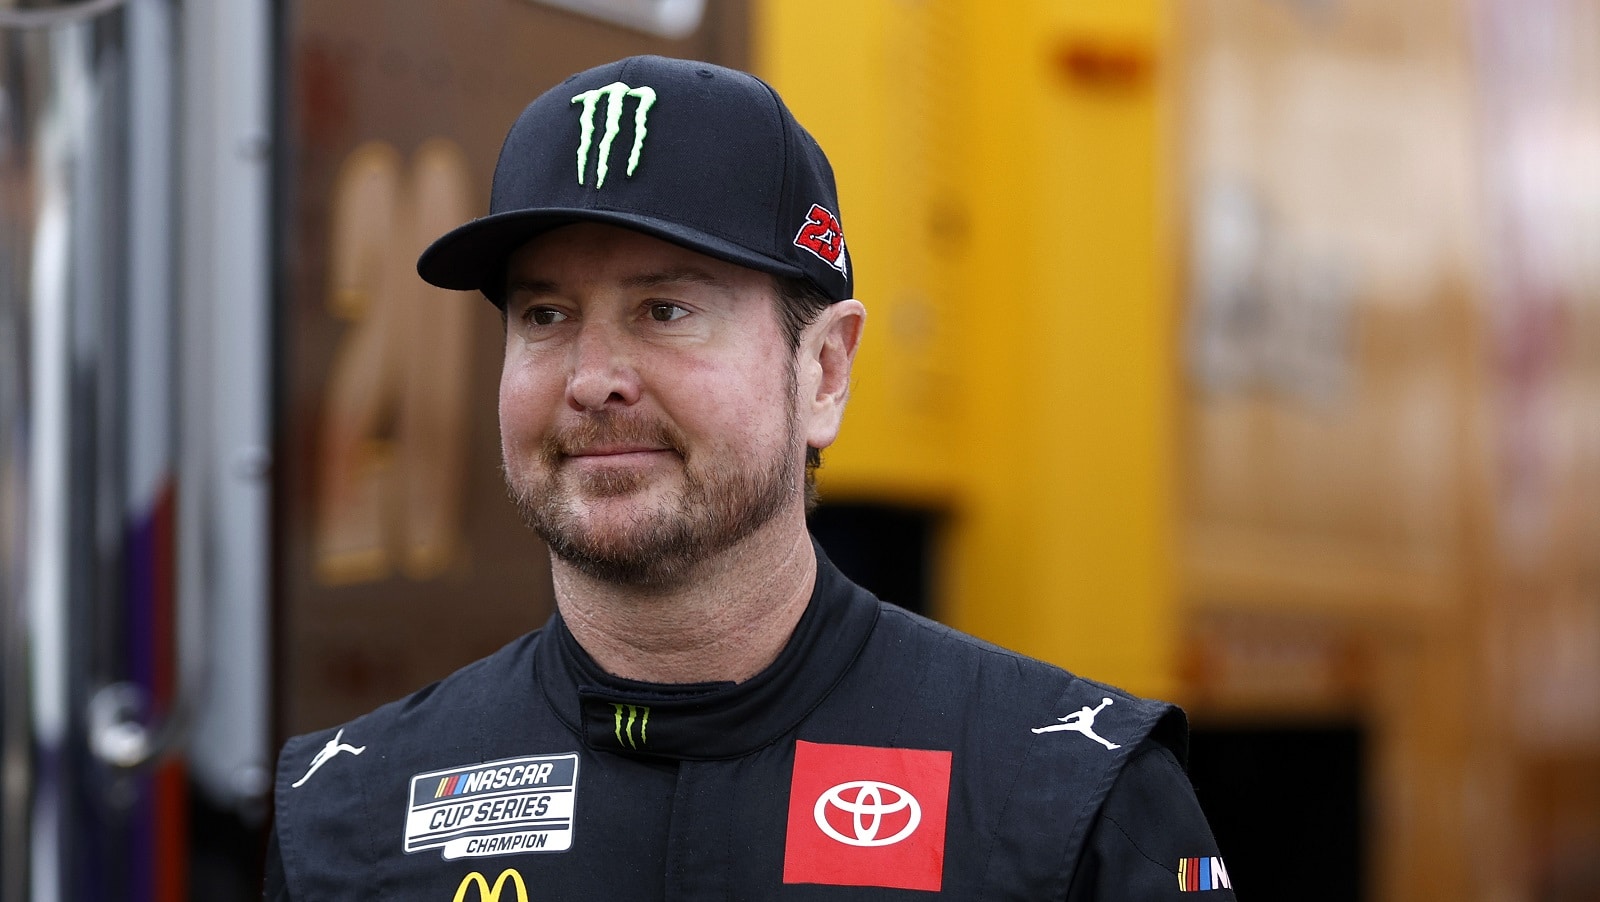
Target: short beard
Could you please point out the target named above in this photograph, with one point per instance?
(713, 512)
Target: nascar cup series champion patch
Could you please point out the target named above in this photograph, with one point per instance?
(495, 808)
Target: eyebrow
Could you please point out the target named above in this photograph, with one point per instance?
(536, 287)
(673, 277)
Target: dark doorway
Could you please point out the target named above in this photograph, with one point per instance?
(886, 548)
(1286, 806)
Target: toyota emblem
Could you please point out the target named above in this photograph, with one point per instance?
(870, 804)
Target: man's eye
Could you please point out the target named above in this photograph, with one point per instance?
(545, 316)
(666, 313)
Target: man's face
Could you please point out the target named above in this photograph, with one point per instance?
(647, 402)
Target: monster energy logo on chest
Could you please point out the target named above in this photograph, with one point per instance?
(627, 718)
(615, 94)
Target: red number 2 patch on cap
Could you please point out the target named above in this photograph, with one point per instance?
(865, 816)
(822, 235)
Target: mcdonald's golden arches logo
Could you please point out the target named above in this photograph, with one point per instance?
(488, 893)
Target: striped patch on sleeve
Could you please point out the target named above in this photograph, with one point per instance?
(1201, 874)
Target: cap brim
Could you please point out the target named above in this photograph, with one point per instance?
(472, 257)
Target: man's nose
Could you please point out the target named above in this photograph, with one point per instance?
(602, 372)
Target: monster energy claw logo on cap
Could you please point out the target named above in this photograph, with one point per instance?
(627, 716)
(616, 95)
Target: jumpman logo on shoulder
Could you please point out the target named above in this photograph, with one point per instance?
(1082, 721)
(333, 747)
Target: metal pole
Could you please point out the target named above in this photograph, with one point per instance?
(62, 115)
(125, 302)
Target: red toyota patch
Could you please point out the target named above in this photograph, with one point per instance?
(863, 816)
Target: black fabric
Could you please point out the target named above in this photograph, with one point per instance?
(1150, 822)
(692, 801)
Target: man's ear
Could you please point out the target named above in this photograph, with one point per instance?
(828, 351)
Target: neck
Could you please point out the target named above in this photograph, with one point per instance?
(725, 622)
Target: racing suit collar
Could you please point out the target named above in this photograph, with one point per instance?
(706, 721)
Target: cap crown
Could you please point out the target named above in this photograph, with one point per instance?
(701, 155)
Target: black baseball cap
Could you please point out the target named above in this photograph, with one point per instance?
(693, 153)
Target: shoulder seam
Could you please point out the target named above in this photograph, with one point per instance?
(948, 632)
(1138, 848)
(1166, 760)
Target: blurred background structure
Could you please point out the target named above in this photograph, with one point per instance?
(1240, 352)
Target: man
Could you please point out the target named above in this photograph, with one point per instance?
(714, 712)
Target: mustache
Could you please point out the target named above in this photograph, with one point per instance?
(608, 428)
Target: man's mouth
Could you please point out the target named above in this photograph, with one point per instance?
(612, 442)
(617, 459)
(615, 450)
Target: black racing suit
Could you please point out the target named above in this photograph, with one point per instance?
(881, 756)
